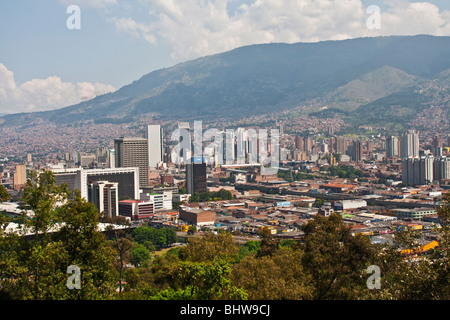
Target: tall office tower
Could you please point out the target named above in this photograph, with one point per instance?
(356, 151)
(112, 158)
(154, 135)
(437, 145)
(183, 151)
(299, 143)
(101, 154)
(308, 144)
(20, 176)
(253, 148)
(342, 145)
(324, 147)
(391, 147)
(75, 156)
(241, 145)
(133, 152)
(418, 171)
(426, 171)
(229, 147)
(104, 195)
(410, 144)
(332, 144)
(441, 168)
(438, 142)
(196, 176)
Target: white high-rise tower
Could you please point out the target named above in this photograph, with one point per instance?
(410, 144)
(154, 135)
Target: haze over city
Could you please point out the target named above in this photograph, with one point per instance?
(231, 156)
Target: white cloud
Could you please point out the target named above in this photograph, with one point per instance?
(44, 94)
(415, 18)
(88, 3)
(193, 28)
(134, 28)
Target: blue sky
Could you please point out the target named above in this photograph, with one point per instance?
(44, 65)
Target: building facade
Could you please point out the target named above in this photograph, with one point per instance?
(392, 147)
(154, 135)
(161, 201)
(133, 152)
(136, 209)
(441, 168)
(79, 179)
(104, 195)
(20, 176)
(418, 171)
(414, 214)
(410, 144)
(196, 177)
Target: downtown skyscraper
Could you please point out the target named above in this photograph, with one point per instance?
(410, 144)
(133, 152)
(154, 136)
(392, 147)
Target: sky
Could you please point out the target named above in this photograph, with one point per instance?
(52, 56)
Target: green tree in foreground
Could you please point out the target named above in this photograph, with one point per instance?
(335, 259)
(273, 277)
(158, 237)
(4, 195)
(417, 275)
(202, 281)
(139, 255)
(63, 232)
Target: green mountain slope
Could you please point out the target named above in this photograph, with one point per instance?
(404, 106)
(266, 78)
(371, 86)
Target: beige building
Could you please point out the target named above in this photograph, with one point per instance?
(20, 177)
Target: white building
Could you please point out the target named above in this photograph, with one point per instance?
(410, 144)
(154, 135)
(181, 197)
(104, 195)
(78, 178)
(349, 204)
(392, 146)
(161, 201)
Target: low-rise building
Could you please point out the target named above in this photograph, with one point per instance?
(161, 201)
(414, 213)
(136, 209)
(197, 217)
(349, 204)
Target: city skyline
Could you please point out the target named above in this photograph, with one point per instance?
(240, 150)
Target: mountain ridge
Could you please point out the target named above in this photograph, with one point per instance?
(264, 78)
